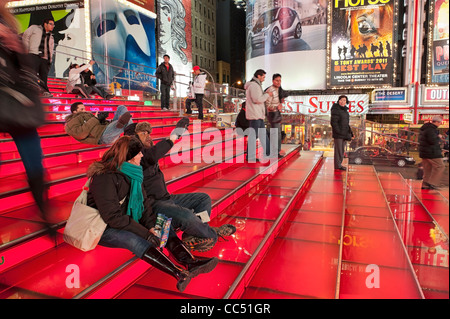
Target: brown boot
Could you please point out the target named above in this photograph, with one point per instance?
(123, 120)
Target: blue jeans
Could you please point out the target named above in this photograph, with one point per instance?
(257, 129)
(119, 238)
(112, 133)
(182, 209)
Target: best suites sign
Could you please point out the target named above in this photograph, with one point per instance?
(321, 104)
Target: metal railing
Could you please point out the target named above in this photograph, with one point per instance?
(216, 95)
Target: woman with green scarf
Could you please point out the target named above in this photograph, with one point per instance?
(118, 177)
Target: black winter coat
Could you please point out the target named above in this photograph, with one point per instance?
(154, 182)
(166, 76)
(429, 142)
(340, 120)
(105, 193)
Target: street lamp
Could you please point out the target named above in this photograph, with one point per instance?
(237, 82)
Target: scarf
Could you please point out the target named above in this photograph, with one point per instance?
(136, 201)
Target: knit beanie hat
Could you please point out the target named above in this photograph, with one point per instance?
(134, 147)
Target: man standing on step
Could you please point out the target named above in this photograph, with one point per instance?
(87, 128)
(189, 212)
(431, 153)
(340, 124)
(198, 87)
(255, 114)
(39, 43)
(166, 74)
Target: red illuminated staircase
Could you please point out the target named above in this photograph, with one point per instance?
(304, 230)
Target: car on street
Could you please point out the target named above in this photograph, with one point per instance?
(375, 155)
(274, 25)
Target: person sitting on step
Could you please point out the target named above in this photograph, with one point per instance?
(183, 208)
(88, 128)
(74, 83)
(131, 225)
(88, 80)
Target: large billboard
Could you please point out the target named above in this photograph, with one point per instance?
(362, 43)
(123, 38)
(438, 42)
(175, 35)
(288, 37)
(69, 31)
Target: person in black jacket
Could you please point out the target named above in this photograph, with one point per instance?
(431, 154)
(166, 74)
(89, 80)
(130, 225)
(182, 208)
(340, 124)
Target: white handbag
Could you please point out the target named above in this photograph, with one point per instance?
(85, 226)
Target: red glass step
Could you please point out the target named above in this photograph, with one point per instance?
(304, 253)
(373, 245)
(426, 245)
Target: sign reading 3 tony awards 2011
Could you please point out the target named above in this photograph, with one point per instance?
(362, 43)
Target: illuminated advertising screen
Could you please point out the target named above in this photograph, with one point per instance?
(175, 34)
(69, 31)
(288, 37)
(362, 43)
(123, 38)
(438, 42)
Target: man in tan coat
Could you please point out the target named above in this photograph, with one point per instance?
(87, 128)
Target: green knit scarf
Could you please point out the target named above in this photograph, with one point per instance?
(136, 201)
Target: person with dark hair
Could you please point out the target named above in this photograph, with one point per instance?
(88, 80)
(256, 113)
(131, 224)
(166, 74)
(88, 128)
(39, 43)
(190, 212)
(274, 107)
(74, 82)
(340, 124)
(431, 153)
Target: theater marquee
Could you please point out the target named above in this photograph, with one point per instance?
(321, 104)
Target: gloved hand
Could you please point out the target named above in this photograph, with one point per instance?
(181, 127)
(102, 116)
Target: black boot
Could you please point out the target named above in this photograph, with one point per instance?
(156, 258)
(182, 255)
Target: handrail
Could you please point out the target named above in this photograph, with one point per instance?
(177, 83)
(366, 130)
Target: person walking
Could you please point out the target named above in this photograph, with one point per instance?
(14, 69)
(340, 124)
(39, 43)
(256, 113)
(166, 74)
(198, 88)
(431, 154)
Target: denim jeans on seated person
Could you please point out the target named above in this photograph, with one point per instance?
(119, 238)
(182, 209)
(112, 133)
